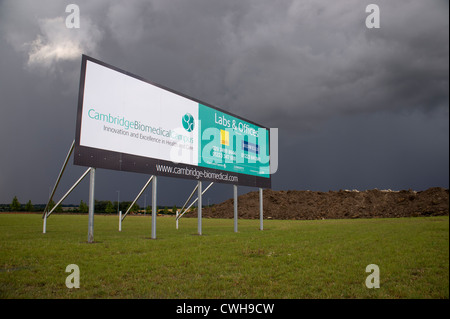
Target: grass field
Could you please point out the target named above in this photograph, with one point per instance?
(289, 259)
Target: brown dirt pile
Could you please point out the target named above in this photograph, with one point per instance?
(334, 204)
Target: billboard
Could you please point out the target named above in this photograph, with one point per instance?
(127, 123)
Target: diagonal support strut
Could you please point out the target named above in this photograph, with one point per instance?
(137, 197)
(204, 191)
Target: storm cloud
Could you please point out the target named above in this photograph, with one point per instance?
(356, 107)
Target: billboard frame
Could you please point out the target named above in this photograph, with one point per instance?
(108, 159)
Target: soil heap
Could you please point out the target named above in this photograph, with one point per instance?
(308, 205)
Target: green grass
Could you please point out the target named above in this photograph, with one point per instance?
(289, 259)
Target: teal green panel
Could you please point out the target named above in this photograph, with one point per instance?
(231, 144)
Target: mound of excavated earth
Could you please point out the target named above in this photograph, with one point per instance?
(334, 204)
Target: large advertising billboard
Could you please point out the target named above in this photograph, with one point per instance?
(127, 123)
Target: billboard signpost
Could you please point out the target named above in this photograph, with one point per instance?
(127, 123)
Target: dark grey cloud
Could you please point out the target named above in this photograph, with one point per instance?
(356, 107)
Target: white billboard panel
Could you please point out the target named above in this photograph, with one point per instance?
(126, 115)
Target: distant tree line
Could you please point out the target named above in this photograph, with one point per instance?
(100, 206)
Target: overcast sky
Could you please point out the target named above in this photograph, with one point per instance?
(356, 108)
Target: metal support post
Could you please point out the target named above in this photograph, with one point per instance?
(68, 192)
(45, 223)
(91, 206)
(260, 209)
(154, 207)
(192, 194)
(185, 211)
(47, 214)
(44, 215)
(235, 208)
(199, 209)
(120, 220)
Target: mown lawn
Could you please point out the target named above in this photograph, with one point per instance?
(289, 259)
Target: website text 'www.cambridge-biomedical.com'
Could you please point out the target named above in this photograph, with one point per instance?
(197, 173)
